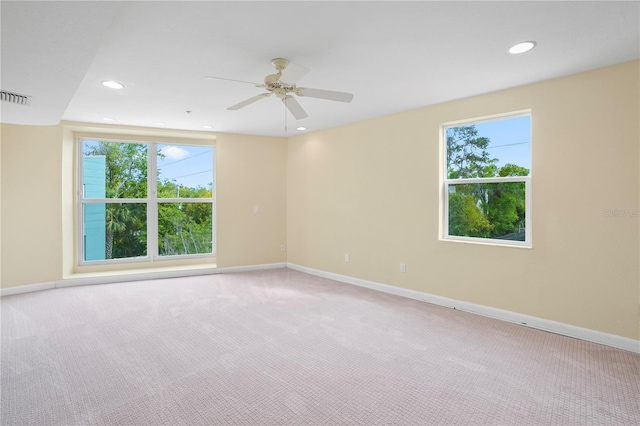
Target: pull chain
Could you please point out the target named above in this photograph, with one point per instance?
(284, 101)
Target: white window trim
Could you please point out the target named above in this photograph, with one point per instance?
(444, 232)
(151, 201)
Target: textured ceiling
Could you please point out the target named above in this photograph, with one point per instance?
(393, 56)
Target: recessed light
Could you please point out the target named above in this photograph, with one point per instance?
(207, 127)
(301, 128)
(109, 119)
(522, 47)
(159, 123)
(112, 84)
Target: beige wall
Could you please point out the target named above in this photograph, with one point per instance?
(38, 232)
(31, 204)
(251, 173)
(372, 190)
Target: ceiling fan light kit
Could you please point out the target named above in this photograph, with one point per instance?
(283, 85)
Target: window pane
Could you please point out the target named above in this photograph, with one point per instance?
(489, 149)
(185, 228)
(488, 210)
(114, 170)
(185, 171)
(114, 231)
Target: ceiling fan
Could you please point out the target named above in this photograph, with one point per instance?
(283, 85)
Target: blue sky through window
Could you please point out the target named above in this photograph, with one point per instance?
(186, 165)
(510, 140)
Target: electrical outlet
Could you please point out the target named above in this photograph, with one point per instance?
(283, 247)
(403, 267)
(256, 210)
(347, 258)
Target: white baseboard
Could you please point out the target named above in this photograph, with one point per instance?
(28, 288)
(252, 268)
(133, 276)
(513, 317)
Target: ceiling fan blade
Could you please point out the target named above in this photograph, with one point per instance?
(249, 101)
(325, 94)
(235, 81)
(294, 107)
(292, 73)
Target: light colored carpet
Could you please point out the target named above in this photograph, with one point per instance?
(283, 347)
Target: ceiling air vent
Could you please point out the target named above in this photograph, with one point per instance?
(14, 98)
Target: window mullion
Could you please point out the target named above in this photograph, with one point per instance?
(113, 200)
(152, 205)
(185, 200)
(487, 180)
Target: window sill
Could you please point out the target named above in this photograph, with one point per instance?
(150, 273)
(486, 243)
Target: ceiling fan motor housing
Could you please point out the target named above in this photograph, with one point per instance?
(273, 84)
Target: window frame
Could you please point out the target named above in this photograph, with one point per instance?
(151, 200)
(446, 182)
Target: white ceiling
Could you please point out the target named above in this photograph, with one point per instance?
(394, 56)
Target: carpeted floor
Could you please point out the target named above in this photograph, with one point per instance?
(283, 347)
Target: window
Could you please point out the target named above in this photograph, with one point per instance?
(487, 181)
(144, 201)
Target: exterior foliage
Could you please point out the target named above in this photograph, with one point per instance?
(465, 218)
(485, 210)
